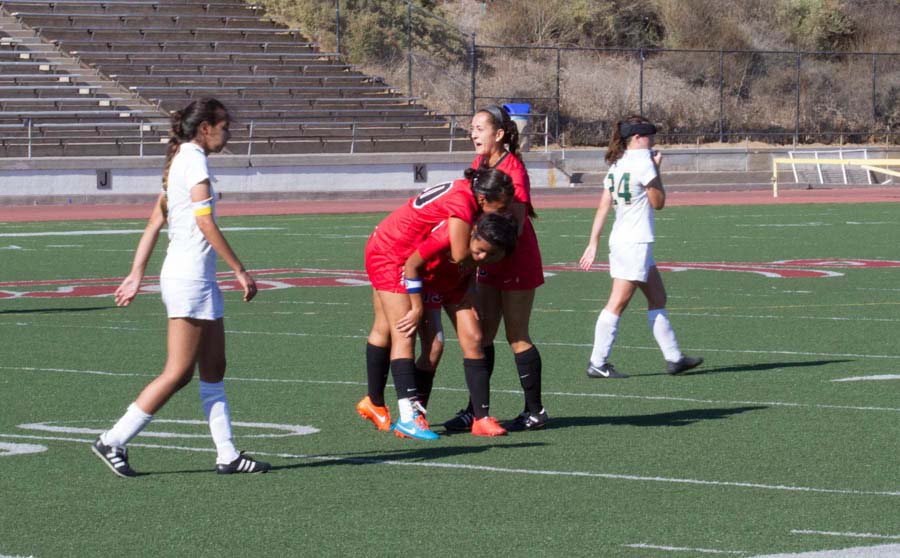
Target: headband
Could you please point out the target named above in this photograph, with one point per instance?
(628, 129)
(499, 113)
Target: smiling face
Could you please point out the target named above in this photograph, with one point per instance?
(483, 252)
(488, 140)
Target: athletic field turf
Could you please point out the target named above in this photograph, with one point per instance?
(784, 443)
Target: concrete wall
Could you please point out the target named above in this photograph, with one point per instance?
(119, 179)
(137, 179)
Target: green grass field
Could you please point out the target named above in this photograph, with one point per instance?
(764, 452)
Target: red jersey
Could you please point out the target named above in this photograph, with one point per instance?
(512, 165)
(444, 281)
(401, 232)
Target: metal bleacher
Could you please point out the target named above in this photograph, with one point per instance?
(286, 96)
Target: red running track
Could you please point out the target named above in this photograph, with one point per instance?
(542, 199)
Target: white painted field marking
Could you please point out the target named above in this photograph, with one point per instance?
(775, 317)
(11, 247)
(285, 430)
(106, 232)
(15, 556)
(840, 534)
(540, 342)
(881, 551)
(684, 549)
(506, 470)
(761, 225)
(877, 377)
(788, 404)
(7, 450)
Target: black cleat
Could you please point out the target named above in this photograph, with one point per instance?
(686, 363)
(462, 422)
(605, 370)
(528, 421)
(115, 458)
(243, 464)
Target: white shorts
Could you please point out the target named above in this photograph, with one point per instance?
(631, 262)
(186, 298)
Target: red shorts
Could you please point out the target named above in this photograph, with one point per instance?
(519, 272)
(384, 272)
(436, 301)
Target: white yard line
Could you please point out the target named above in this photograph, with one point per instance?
(683, 549)
(106, 232)
(517, 392)
(506, 470)
(842, 534)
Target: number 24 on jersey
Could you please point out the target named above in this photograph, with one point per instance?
(619, 191)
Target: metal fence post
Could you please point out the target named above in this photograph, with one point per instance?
(28, 121)
(473, 55)
(797, 108)
(452, 127)
(141, 135)
(721, 96)
(337, 26)
(409, 56)
(874, 92)
(558, 94)
(641, 85)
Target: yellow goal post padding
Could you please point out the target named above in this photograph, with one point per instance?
(874, 165)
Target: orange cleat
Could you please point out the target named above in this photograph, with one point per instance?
(487, 426)
(381, 416)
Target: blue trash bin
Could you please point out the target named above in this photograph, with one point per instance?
(519, 112)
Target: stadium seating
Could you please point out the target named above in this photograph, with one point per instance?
(155, 56)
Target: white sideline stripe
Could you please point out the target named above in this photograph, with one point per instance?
(880, 551)
(488, 469)
(503, 391)
(684, 549)
(864, 378)
(550, 343)
(839, 534)
(122, 231)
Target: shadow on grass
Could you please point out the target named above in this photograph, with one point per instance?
(758, 367)
(676, 418)
(55, 310)
(378, 457)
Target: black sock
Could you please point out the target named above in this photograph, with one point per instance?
(378, 364)
(528, 364)
(489, 364)
(424, 382)
(479, 386)
(404, 372)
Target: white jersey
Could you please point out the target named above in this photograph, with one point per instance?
(626, 181)
(189, 256)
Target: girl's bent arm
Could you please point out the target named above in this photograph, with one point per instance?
(587, 258)
(130, 285)
(216, 239)
(459, 238)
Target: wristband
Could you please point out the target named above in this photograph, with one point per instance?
(413, 286)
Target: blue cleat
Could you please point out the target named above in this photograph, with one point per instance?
(417, 428)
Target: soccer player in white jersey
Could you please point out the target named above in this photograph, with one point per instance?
(635, 189)
(196, 331)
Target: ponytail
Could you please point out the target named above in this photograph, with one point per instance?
(185, 124)
(621, 134)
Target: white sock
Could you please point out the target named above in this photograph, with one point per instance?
(664, 335)
(604, 336)
(215, 407)
(132, 422)
(406, 409)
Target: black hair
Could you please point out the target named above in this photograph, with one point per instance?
(501, 120)
(499, 230)
(493, 184)
(185, 125)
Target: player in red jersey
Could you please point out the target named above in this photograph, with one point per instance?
(450, 285)
(506, 289)
(397, 299)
